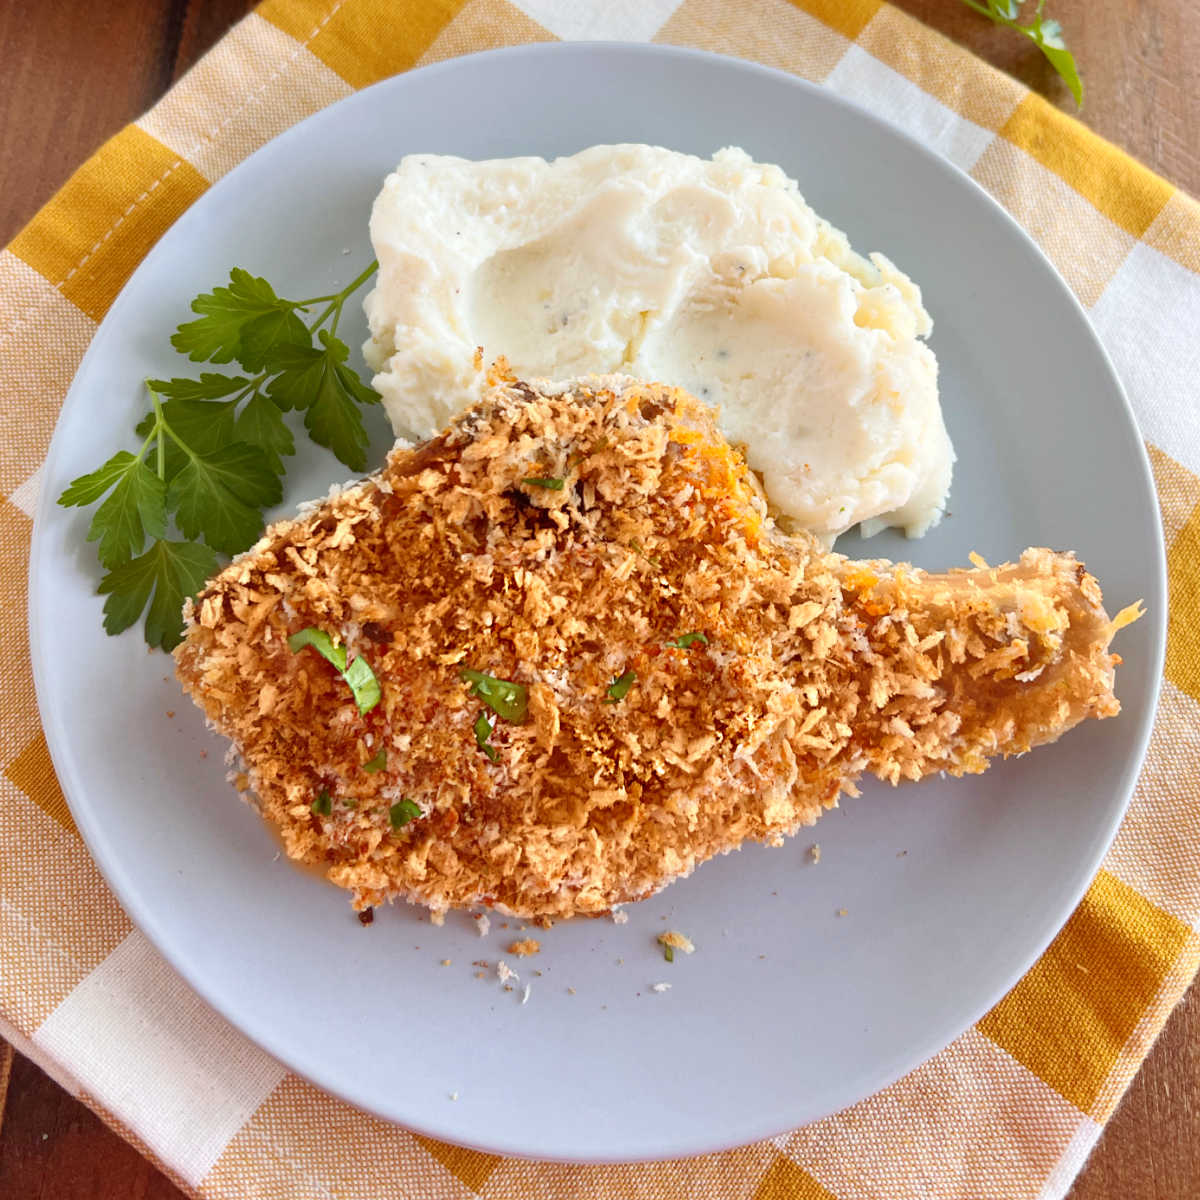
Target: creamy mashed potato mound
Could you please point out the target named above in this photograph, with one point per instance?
(708, 274)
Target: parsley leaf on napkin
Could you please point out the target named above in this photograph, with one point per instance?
(1046, 34)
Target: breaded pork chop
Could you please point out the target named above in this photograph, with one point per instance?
(687, 677)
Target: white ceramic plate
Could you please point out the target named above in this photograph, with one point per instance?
(787, 1011)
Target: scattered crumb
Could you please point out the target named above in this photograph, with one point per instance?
(480, 974)
(437, 916)
(538, 974)
(841, 912)
(446, 962)
(171, 714)
(620, 962)
(203, 753)
(483, 924)
(677, 941)
(481, 962)
(453, 1095)
(508, 987)
(762, 956)
(814, 852)
(366, 916)
(619, 916)
(503, 924)
(525, 947)
(570, 991)
(660, 987)
(901, 853)
(525, 993)
(504, 972)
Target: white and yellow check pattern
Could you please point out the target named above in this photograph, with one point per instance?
(1012, 1108)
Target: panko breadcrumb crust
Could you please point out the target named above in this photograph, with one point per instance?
(814, 669)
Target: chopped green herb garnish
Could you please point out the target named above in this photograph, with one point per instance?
(322, 643)
(402, 812)
(620, 686)
(685, 640)
(551, 485)
(505, 699)
(483, 731)
(322, 805)
(652, 559)
(669, 953)
(364, 687)
(377, 763)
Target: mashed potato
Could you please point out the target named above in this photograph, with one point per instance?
(713, 275)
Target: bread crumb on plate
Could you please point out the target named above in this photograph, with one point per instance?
(677, 941)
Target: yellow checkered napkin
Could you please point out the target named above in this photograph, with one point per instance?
(1013, 1106)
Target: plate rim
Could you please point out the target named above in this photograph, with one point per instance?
(125, 888)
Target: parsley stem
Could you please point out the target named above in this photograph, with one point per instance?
(337, 299)
(146, 446)
(361, 278)
(164, 427)
(156, 433)
(250, 388)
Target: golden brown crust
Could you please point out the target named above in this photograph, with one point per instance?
(814, 669)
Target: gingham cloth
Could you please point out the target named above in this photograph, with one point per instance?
(1014, 1105)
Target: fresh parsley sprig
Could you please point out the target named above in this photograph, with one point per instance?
(1046, 35)
(212, 453)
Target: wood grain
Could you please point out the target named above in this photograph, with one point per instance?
(61, 95)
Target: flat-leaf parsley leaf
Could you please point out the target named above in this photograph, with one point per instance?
(172, 571)
(317, 380)
(243, 321)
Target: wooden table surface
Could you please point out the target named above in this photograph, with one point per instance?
(74, 71)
